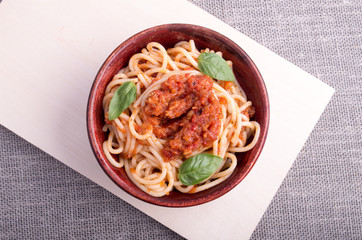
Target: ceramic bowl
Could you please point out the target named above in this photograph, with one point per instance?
(168, 35)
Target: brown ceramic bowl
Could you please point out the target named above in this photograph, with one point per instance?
(245, 71)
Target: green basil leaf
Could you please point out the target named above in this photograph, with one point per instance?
(215, 66)
(122, 98)
(198, 168)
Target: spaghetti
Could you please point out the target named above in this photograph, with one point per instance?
(143, 138)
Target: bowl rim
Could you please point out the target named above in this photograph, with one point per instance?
(92, 133)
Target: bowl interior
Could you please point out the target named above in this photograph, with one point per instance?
(245, 71)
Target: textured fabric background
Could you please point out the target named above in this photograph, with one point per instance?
(321, 198)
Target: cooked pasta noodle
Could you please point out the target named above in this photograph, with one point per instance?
(139, 150)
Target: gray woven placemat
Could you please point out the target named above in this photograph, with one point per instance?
(321, 198)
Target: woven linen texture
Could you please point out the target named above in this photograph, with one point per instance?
(321, 197)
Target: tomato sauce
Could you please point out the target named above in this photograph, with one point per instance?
(184, 112)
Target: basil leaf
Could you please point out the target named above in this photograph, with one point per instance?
(122, 98)
(198, 168)
(215, 66)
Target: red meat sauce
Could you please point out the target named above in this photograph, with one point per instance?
(184, 112)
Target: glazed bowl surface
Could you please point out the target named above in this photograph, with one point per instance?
(168, 35)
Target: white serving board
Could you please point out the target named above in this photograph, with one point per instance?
(50, 52)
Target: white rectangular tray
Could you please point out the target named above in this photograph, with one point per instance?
(50, 52)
